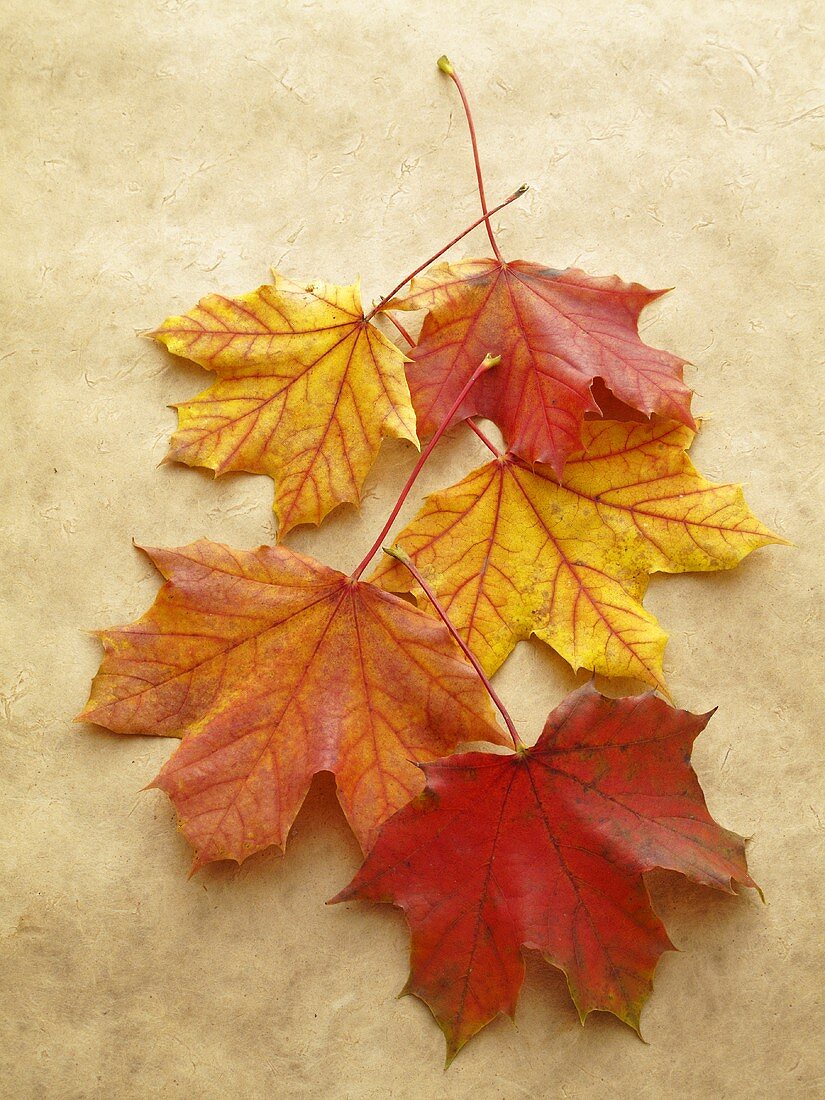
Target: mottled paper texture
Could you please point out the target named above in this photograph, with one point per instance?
(154, 153)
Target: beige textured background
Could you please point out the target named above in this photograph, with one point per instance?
(157, 151)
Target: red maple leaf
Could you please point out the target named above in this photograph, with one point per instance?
(556, 332)
(567, 340)
(545, 848)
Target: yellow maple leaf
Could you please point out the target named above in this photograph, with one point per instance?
(306, 390)
(511, 552)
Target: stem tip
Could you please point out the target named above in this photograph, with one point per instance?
(399, 554)
(445, 65)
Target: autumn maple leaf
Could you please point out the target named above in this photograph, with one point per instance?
(545, 849)
(273, 667)
(306, 390)
(510, 552)
(557, 332)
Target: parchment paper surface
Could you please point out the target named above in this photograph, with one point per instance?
(157, 151)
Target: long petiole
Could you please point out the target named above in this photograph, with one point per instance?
(401, 329)
(487, 442)
(406, 561)
(488, 362)
(485, 217)
(446, 66)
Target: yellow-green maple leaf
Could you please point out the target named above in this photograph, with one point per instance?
(511, 552)
(306, 390)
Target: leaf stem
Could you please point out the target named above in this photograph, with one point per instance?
(488, 362)
(487, 442)
(401, 329)
(446, 66)
(400, 555)
(485, 217)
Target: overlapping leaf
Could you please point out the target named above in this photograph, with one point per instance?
(546, 849)
(511, 552)
(273, 667)
(306, 390)
(556, 331)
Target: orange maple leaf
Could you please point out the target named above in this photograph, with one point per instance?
(510, 552)
(273, 667)
(307, 388)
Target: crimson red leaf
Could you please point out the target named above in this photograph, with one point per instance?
(556, 332)
(546, 849)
